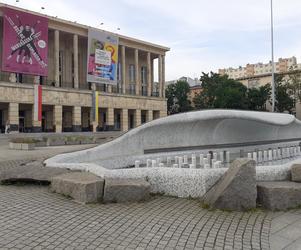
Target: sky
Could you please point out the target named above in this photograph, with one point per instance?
(202, 35)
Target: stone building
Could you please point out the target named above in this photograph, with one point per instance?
(67, 96)
(261, 69)
(261, 80)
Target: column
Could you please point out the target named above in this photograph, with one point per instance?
(149, 115)
(93, 124)
(109, 88)
(76, 119)
(149, 74)
(163, 76)
(12, 77)
(137, 117)
(58, 118)
(163, 113)
(110, 118)
(137, 72)
(13, 117)
(75, 58)
(93, 86)
(160, 75)
(124, 120)
(57, 57)
(123, 77)
(36, 125)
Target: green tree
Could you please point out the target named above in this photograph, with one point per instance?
(257, 97)
(284, 98)
(219, 91)
(177, 97)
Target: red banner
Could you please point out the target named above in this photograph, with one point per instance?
(25, 43)
(37, 102)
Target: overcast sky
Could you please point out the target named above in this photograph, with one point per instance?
(203, 35)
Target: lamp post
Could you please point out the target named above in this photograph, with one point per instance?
(273, 66)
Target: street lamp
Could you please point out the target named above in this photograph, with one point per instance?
(273, 66)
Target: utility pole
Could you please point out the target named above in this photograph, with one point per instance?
(273, 66)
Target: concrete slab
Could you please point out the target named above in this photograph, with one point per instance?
(81, 186)
(279, 195)
(126, 190)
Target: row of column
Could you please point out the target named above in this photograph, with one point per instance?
(13, 117)
(161, 67)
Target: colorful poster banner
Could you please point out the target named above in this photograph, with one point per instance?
(102, 57)
(25, 43)
(37, 103)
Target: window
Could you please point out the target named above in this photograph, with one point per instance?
(72, 70)
(61, 63)
(132, 73)
(119, 76)
(143, 75)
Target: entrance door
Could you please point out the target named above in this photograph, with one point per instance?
(132, 125)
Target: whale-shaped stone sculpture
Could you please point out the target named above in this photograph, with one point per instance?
(196, 133)
(192, 130)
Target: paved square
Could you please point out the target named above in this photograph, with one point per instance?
(33, 218)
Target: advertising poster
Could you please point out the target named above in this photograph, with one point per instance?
(102, 57)
(25, 43)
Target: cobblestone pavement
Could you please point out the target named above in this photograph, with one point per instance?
(286, 230)
(33, 218)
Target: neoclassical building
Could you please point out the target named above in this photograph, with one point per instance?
(67, 97)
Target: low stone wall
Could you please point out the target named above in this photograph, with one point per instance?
(181, 182)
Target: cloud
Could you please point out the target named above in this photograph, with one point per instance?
(203, 35)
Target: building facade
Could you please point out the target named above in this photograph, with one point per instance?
(261, 69)
(67, 97)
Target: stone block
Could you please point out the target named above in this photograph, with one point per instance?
(296, 172)
(279, 195)
(13, 145)
(28, 146)
(83, 187)
(126, 190)
(56, 141)
(236, 190)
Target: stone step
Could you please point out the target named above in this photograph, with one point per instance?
(83, 187)
(279, 195)
(34, 171)
(126, 190)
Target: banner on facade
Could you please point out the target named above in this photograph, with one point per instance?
(102, 57)
(25, 43)
(37, 103)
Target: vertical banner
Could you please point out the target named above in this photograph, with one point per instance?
(37, 103)
(95, 106)
(102, 57)
(25, 43)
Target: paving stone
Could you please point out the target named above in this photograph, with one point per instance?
(236, 190)
(279, 195)
(81, 186)
(126, 190)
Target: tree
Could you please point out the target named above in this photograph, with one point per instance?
(284, 99)
(218, 91)
(177, 97)
(257, 97)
